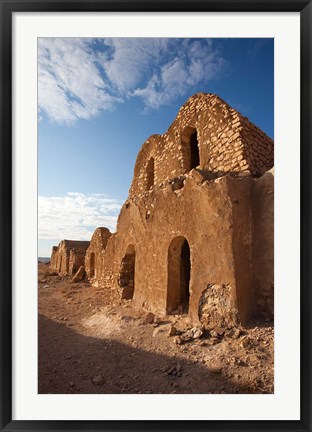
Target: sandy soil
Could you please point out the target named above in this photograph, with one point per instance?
(87, 344)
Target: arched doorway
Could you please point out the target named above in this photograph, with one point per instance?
(127, 273)
(179, 274)
(92, 264)
(190, 148)
(150, 174)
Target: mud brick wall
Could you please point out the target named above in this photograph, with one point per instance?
(62, 259)
(227, 142)
(196, 231)
(53, 259)
(76, 259)
(94, 254)
(263, 244)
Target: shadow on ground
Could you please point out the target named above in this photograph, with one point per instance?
(72, 363)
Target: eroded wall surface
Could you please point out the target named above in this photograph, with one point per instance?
(204, 213)
(67, 257)
(95, 251)
(263, 244)
(227, 142)
(196, 234)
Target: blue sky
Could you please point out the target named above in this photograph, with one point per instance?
(100, 99)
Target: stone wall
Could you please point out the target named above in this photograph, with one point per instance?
(196, 232)
(76, 259)
(214, 203)
(66, 256)
(263, 244)
(95, 251)
(226, 142)
(201, 212)
(53, 260)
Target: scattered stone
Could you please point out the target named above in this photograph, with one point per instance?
(197, 333)
(246, 342)
(213, 341)
(98, 380)
(46, 286)
(150, 317)
(233, 333)
(244, 174)
(79, 275)
(187, 336)
(216, 369)
(178, 340)
(173, 331)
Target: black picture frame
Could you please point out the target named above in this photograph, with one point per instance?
(8, 7)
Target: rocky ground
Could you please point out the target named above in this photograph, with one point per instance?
(88, 344)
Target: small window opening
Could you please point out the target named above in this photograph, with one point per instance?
(150, 174)
(92, 264)
(194, 150)
(127, 273)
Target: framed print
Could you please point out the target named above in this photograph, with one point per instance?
(155, 215)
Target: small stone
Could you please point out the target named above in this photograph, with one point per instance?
(98, 379)
(197, 333)
(149, 319)
(72, 384)
(46, 286)
(173, 331)
(178, 340)
(233, 333)
(216, 370)
(244, 174)
(214, 341)
(79, 275)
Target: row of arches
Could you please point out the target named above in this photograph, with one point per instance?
(179, 274)
(190, 154)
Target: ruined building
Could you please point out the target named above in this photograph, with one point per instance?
(195, 235)
(68, 256)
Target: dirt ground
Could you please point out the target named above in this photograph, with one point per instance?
(88, 344)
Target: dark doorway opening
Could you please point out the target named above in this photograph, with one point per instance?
(92, 264)
(185, 273)
(127, 273)
(150, 174)
(179, 274)
(194, 150)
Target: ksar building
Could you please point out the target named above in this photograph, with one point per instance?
(196, 234)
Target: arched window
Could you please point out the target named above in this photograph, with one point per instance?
(179, 273)
(190, 148)
(194, 150)
(150, 174)
(127, 273)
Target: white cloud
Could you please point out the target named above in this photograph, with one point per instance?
(77, 78)
(75, 216)
(197, 63)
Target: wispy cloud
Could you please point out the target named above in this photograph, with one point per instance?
(75, 215)
(78, 78)
(256, 47)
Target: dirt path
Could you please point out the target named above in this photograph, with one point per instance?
(87, 344)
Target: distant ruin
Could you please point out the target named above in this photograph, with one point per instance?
(196, 234)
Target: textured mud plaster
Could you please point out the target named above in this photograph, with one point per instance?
(68, 256)
(195, 235)
(263, 244)
(94, 254)
(217, 308)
